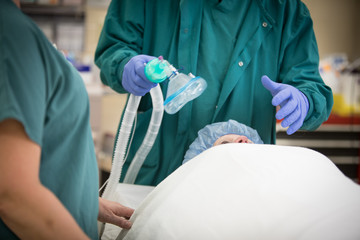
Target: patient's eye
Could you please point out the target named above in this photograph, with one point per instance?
(224, 142)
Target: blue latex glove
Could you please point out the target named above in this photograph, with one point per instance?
(134, 80)
(294, 105)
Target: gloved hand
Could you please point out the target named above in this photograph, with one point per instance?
(134, 80)
(294, 105)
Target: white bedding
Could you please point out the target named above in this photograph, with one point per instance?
(128, 195)
(251, 191)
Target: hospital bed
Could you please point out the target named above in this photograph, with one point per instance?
(246, 191)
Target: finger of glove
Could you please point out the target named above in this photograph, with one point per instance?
(294, 127)
(142, 80)
(126, 81)
(291, 118)
(270, 85)
(302, 112)
(287, 107)
(131, 81)
(133, 89)
(145, 58)
(129, 84)
(139, 64)
(281, 97)
(127, 75)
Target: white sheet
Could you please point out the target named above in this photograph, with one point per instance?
(129, 195)
(250, 191)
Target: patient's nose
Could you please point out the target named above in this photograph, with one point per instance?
(242, 139)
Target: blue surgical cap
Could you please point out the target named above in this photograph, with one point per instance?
(209, 134)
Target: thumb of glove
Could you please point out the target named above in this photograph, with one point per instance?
(270, 85)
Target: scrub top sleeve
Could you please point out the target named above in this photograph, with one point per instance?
(300, 65)
(22, 80)
(120, 40)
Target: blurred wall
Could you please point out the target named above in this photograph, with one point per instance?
(337, 26)
(94, 22)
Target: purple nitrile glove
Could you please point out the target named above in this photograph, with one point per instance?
(294, 105)
(134, 80)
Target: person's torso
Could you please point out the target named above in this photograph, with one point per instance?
(49, 98)
(231, 44)
(225, 43)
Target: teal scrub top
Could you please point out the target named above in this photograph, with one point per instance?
(231, 44)
(41, 90)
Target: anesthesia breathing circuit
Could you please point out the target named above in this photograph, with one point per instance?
(182, 88)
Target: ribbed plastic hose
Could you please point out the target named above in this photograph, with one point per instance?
(123, 138)
(152, 132)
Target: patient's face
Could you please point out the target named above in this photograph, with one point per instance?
(232, 138)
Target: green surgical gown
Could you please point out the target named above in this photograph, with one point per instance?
(40, 89)
(231, 44)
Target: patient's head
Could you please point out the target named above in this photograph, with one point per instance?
(232, 138)
(221, 133)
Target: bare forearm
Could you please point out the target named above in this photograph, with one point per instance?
(38, 214)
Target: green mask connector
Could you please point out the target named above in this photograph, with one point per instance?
(157, 70)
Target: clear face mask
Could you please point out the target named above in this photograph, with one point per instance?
(182, 88)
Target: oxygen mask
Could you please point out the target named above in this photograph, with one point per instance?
(182, 88)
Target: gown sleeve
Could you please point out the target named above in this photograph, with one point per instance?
(121, 39)
(299, 64)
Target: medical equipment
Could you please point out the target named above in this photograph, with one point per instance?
(182, 88)
(133, 76)
(148, 142)
(123, 137)
(122, 141)
(157, 71)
